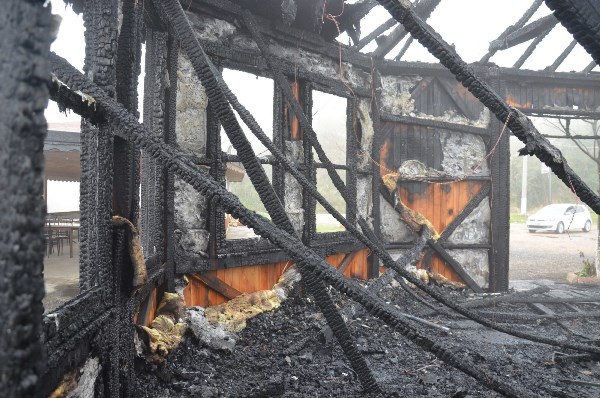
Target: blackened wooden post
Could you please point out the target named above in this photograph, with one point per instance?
(125, 193)
(96, 267)
(95, 200)
(25, 32)
(500, 195)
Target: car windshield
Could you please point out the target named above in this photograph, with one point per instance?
(552, 209)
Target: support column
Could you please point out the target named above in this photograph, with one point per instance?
(25, 29)
(101, 29)
(363, 134)
(294, 150)
(191, 208)
(125, 193)
(500, 195)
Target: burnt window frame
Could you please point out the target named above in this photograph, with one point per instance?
(224, 253)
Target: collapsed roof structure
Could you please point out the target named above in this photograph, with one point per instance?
(426, 165)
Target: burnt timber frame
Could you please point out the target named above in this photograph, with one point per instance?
(99, 321)
(531, 85)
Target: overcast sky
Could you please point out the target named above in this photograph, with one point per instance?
(468, 24)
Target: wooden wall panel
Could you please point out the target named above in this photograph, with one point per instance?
(538, 96)
(440, 204)
(260, 277)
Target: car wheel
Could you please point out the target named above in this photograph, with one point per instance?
(588, 226)
(560, 228)
(532, 231)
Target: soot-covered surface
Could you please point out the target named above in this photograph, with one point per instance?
(285, 353)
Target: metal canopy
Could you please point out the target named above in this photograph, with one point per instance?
(61, 154)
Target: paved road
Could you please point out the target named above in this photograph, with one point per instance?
(544, 255)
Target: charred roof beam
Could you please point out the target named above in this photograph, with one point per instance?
(528, 32)
(519, 24)
(404, 49)
(374, 34)
(590, 67)
(423, 10)
(582, 20)
(562, 57)
(531, 48)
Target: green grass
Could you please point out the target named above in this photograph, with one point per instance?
(518, 219)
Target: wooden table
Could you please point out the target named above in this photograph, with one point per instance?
(69, 228)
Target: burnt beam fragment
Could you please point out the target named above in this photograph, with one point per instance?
(423, 10)
(528, 32)
(531, 48)
(562, 57)
(590, 67)
(404, 49)
(374, 34)
(582, 20)
(519, 24)
(348, 20)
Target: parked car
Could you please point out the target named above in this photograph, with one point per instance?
(560, 217)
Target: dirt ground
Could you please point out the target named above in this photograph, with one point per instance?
(546, 255)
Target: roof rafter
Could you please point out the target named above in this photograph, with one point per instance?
(525, 33)
(524, 18)
(423, 10)
(562, 56)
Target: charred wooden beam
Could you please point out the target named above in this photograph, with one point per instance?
(26, 31)
(528, 32)
(519, 24)
(590, 67)
(347, 21)
(582, 20)
(217, 285)
(561, 113)
(531, 48)
(455, 265)
(416, 121)
(374, 34)
(404, 49)
(562, 57)
(423, 9)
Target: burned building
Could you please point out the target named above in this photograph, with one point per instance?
(423, 168)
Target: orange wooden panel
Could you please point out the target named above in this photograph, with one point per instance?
(260, 277)
(441, 204)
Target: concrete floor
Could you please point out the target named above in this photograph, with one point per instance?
(61, 277)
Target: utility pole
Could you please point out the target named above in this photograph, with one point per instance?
(524, 187)
(550, 188)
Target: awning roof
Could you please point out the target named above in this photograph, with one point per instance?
(61, 153)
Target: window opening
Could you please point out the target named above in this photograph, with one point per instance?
(329, 123)
(256, 94)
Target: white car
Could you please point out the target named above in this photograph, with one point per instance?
(560, 217)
